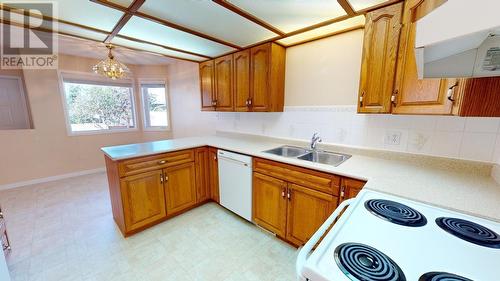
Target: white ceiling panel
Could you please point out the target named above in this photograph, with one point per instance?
(150, 31)
(87, 13)
(123, 3)
(327, 29)
(66, 28)
(209, 18)
(363, 4)
(292, 14)
(154, 49)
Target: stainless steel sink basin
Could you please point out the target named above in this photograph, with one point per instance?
(316, 156)
(288, 151)
(324, 157)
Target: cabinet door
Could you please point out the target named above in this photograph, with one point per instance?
(260, 61)
(350, 188)
(241, 79)
(269, 203)
(413, 95)
(143, 199)
(214, 174)
(202, 174)
(307, 211)
(378, 67)
(180, 187)
(207, 85)
(224, 83)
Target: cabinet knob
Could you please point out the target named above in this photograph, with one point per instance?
(361, 98)
(162, 162)
(1, 215)
(250, 102)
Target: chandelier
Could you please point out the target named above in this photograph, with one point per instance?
(110, 67)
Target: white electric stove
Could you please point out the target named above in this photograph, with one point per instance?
(383, 237)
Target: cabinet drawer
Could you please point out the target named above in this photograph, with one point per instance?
(319, 181)
(149, 163)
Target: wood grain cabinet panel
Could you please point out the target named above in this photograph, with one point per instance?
(202, 174)
(154, 162)
(143, 199)
(241, 79)
(307, 211)
(207, 85)
(269, 203)
(378, 67)
(224, 83)
(214, 174)
(413, 95)
(350, 188)
(180, 187)
(477, 97)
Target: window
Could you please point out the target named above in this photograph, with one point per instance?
(94, 106)
(14, 112)
(155, 103)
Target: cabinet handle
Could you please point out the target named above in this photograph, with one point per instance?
(166, 178)
(161, 178)
(451, 92)
(393, 98)
(289, 195)
(250, 102)
(1, 215)
(361, 98)
(162, 162)
(283, 192)
(342, 192)
(215, 158)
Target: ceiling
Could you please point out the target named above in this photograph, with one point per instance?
(198, 30)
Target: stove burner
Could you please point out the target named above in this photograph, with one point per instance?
(395, 212)
(470, 231)
(442, 276)
(362, 262)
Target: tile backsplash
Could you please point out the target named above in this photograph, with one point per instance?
(449, 136)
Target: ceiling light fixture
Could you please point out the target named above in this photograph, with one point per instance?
(110, 67)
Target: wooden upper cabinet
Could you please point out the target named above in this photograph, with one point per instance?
(413, 95)
(214, 173)
(378, 67)
(207, 85)
(180, 187)
(307, 211)
(224, 83)
(241, 80)
(143, 199)
(267, 77)
(269, 203)
(477, 97)
(202, 174)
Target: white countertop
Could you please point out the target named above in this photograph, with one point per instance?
(467, 190)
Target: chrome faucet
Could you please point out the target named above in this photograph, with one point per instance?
(314, 140)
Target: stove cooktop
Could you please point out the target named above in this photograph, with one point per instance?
(384, 237)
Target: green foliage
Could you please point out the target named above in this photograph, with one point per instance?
(95, 104)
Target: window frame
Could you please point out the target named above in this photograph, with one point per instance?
(90, 77)
(145, 126)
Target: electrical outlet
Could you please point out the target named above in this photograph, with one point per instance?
(393, 137)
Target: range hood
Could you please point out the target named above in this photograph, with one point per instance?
(461, 38)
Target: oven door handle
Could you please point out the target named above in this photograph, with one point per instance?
(307, 248)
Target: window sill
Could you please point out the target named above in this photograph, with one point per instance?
(102, 132)
(156, 129)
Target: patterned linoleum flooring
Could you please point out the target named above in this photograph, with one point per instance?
(64, 230)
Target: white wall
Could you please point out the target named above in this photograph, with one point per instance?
(322, 79)
(185, 101)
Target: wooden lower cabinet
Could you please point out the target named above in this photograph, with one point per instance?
(214, 173)
(202, 174)
(291, 211)
(143, 199)
(269, 203)
(307, 210)
(180, 187)
(350, 188)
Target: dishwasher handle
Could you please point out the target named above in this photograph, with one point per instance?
(222, 157)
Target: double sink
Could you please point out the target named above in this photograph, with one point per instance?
(316, 156)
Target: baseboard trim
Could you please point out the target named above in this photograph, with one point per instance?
(52, 178)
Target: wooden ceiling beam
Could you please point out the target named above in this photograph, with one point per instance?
(167, 23)
(124, 19)
(347, 7)
(2, 21)
(248, 16)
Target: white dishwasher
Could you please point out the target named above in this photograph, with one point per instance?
(235, 183)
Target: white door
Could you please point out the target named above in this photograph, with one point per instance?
(13, 106)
